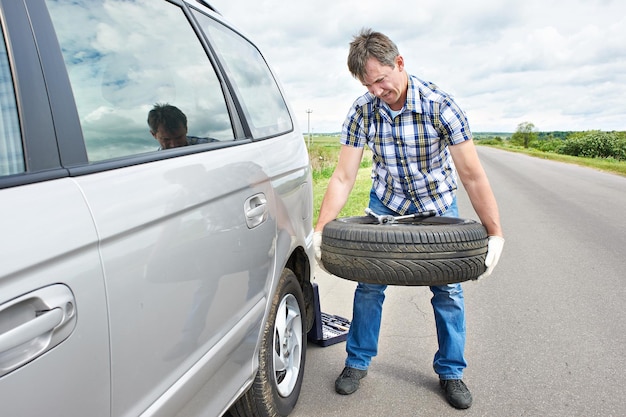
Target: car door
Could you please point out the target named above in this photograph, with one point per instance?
(185, 235)
(54, 350)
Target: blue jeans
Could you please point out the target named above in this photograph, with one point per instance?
(448, 306)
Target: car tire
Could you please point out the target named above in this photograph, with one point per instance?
(282, 355)
(419, 251)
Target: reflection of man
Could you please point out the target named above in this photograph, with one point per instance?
(168, 125)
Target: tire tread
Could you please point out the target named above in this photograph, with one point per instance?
(409, 254)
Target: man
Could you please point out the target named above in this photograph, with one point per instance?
(420, 139)
(168, 125)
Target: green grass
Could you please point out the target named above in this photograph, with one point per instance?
(358, 200)
(324, 152)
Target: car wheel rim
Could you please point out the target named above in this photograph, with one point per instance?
(287, 345)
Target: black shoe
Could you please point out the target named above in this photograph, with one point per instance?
(457, 393)
(348, 381)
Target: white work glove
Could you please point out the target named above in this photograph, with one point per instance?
(317, 245)
(494, 250)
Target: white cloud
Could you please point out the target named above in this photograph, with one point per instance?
(560, 65)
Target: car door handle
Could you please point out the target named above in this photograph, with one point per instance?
(34, 323)
(255, 209)
(39, 326)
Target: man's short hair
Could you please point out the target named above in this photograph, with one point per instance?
(370, 44)
(166, 115)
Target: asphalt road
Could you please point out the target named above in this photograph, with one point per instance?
(546, 332)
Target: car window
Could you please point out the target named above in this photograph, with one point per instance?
(262, 101)
(123, 57)
(11, 151)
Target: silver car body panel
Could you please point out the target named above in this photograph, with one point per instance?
(53, 240)
(179, 264)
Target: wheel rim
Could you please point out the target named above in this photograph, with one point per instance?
(287, 345)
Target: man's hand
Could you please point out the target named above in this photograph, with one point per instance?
(317, 244)
(494, 250)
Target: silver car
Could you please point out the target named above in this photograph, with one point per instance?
(138, 279)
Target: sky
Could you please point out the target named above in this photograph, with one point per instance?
(560, 65)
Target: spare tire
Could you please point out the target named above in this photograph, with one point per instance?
(419, 251)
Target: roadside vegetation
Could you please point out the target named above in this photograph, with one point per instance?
(324, 153)
(605, 151)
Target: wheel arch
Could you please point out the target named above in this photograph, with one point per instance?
(300, 264)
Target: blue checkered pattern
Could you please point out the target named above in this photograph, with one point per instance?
(412, 167)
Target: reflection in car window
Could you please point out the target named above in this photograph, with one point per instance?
(261, 98)
(11, 152)
(123, 57)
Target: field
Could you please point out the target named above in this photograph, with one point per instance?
(324, 152)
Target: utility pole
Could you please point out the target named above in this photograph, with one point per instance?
(309, 111)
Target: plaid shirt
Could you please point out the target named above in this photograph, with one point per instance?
(411, 160)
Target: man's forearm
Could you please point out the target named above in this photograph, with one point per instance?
(334, 199)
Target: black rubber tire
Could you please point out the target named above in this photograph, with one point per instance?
(428, 251)
(264, 398)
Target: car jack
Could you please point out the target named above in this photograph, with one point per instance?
(327, 329)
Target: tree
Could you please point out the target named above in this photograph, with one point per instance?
(524, 134)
